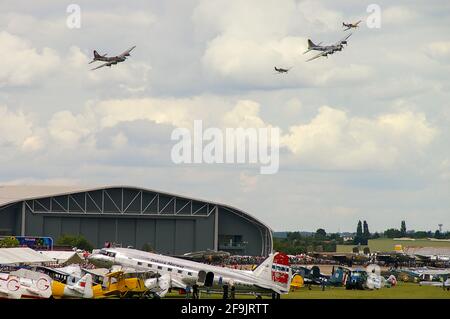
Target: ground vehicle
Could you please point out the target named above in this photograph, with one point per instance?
(357, 280)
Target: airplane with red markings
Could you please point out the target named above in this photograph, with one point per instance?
(272, 276)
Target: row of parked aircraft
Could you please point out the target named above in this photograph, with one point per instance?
(325, 50)
(144, 274)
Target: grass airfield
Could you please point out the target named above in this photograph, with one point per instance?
(401, 291)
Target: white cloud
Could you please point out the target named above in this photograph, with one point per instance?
(21, 64)
(334, 139)
(439, 50)
(68, 129)
(16, 129)
(245, 114)
(395, 15)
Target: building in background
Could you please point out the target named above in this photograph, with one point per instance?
(131, 216)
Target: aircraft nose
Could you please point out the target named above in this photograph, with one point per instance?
(99, 260)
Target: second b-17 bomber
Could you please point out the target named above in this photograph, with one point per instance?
(325, 50)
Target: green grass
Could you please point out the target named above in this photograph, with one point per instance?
(386, 244)
(401, 291)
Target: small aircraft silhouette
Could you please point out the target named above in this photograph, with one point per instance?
(281, 70)
(350, 25)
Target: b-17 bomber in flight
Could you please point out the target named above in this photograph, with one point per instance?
(326, 49)
(110, 60)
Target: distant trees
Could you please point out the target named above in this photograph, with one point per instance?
(437, 234)
(403, 229)
(366, 233)
(75, 241)
(359, 234)
(362, 236)
(321, 233)
(297, 243)
(392, 233)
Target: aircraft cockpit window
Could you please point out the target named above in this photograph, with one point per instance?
(107, 253)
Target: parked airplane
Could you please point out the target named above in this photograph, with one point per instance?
(350, 25)
(110, 60)
(81, 289)
(326, 49)
(443, 284)
(271, 276)
(24, 283)
(9, 286)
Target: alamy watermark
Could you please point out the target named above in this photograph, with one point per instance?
(73, 20)
(373, 21)
(229, 146)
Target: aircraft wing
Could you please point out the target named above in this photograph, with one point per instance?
(127, 52)
(101, 66)
(319, 55)
(344, 39)
(348, 28)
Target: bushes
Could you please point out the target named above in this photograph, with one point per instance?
(75, 241)
(9, 242)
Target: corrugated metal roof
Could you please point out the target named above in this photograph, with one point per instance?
(21, 255)
(10, 194)
(16, 193)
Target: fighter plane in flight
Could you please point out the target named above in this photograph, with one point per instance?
(326, 49)
(271, 276)
(281, 70)
(110, 60)
(349, 26)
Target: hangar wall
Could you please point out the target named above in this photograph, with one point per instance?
(134, 217)
(165, 235)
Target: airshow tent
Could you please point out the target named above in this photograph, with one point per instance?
(21, 255)
(63, 257)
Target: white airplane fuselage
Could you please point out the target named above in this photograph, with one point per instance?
(185, 273)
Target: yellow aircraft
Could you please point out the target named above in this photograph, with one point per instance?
(120, 284)
(297, 282)
(83, 288)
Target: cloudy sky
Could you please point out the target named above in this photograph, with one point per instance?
(365, 134)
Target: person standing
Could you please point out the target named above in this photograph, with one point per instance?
(195, 291)
(225, 291)
(188, 292)
(233, 292)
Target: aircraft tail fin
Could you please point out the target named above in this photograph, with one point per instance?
(310, 44)
(96, 55)
(85, 285)
(276, 268)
